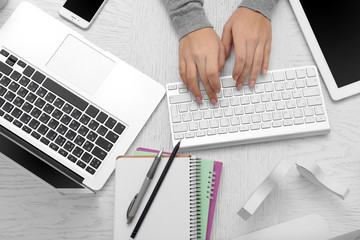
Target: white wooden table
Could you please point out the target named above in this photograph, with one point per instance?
(140, 33)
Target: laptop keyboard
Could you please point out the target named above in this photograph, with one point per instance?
(51, 114)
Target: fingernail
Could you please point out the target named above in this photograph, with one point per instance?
(198, 99)
(252, 83)
(239, 85)
(264, 71)
(236, 77)
(213, 101)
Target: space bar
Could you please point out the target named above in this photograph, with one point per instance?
(65, 94)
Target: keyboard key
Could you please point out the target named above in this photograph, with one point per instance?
(5, 81)
(228, 82)
(102, 130)
(21, 64)
(95, 163)
(31, 97)
(8, 107)
(34, 124)
(57, 114)
(26, 129)
(53, 124)
(85, 119)
(111, 136)
(63, 152)
(83, 130)
(38, 77)
(36, 113)
(60, 140)
(62, 129)
(48, 108)
(39, 103)
(97, 152)
(17, 102)
(86, 157)
(17, 123)
(9, 96)
(5, 68)
(35, 135)
(311, 91)
(59, 103)
(22, 92)
(110, 123)
(54, 146)
(67, 108)
(33, 86)
(15, 76)
(119, 128)
(2, 90)
(24, 81)
(102, 117)
(314, 101)
(25, 118)
(70, 135)
(88, 146)
(65, 94)
(79, 140)
(8, 118)
(182, 98)
(16, 113)
(44, 118)
(81, 164)
(92, 136)
(72, 158)
(50, 97)
(93, 125)
(90, 170)
(44, 141)
(41, 92)
(74, 125)
(69, 146)
(103, 143)
(51, 135)
(4, 53)
(43, 129)
(92, 111)
(65, 119)
(28, 71)
(76, 114)
(78, 152)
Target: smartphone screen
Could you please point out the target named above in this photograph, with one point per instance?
(85, 9)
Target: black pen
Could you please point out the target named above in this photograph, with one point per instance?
(156, 189)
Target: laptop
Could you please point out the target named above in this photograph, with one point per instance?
(66, 101)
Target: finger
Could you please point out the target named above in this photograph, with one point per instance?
(222, 58)
(250, 51)
(191, 77)
(205, 81)
(256, 64)
(182, 71)
(212, 71)
(227, 39)
(240, 57)
(266, 59)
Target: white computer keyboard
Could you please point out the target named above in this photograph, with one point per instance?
(284, 104)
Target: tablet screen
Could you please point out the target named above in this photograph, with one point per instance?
(336, 26)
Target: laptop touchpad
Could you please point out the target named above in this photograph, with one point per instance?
(80, 64)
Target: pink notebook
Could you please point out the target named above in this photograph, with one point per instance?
(217, 171)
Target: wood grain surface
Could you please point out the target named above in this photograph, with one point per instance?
(140, 33)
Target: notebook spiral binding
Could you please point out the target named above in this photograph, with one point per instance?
(196, 196)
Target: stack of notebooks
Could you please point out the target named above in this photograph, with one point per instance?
(184, 206)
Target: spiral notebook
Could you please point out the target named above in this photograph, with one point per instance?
(181, 208)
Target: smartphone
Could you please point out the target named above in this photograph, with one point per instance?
(81, 12)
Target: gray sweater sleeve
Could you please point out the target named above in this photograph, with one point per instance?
(187, 15)
(262, 6)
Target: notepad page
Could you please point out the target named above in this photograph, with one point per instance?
(169, 216)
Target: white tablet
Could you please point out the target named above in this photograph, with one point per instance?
(333, 35)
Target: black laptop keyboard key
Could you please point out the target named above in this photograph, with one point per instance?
(8, 117)
(102, 130)
(26, 129)
(90, 170)
(79, 140)
(28, 71)
(35, 135)
(97, 152)
(76, 114)
(81, 164)
(8, 107)
(9, 62)
(41, 92)
(14, 86)
(102, 117)
(44, 141)
(21, 64)
(92, 111)
(65, 94)
(95, 163)
(51, 135)
(27, 107)
(13, 58)
(24, 81)
(88, 146)
(48, 108)
(63, 152)
(39, 103)
(59, 103)
(53, 124)
(93, 125)
(60, 140)
(2, 90)
(2, 101)
(5, 69)
(33, 86)
(31, 97)
(57, 114)
(78, 152)
(62, 129)
(67, 108)
(65, 119)
(103, 143)
(10, 96)
(17, 123)
(5, 81)
(44, 118)
(38, 77)
(36, 113)
(16, 113)
(43, 129)
(70, 135)
(34, 124)
(92, 136)
(72, 158)
(15, 76)
(86, 157)
(111, 136)
(22, 92)
(83, 130)
(54, 147)
(119, 128)
(50, 97)
(69, 146)
(85, 119)
(25, 118)
(74, 125)
(110, 123)
(4, 53)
